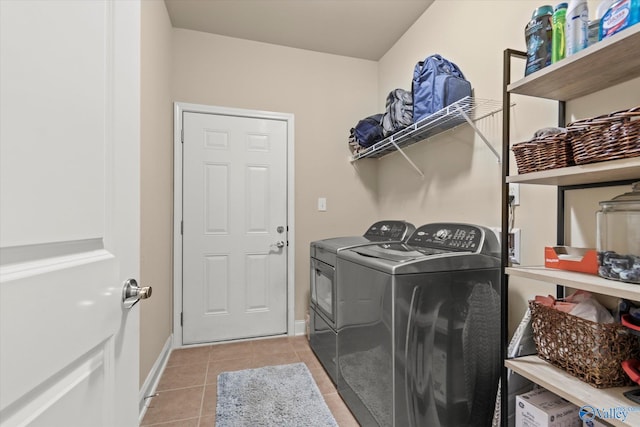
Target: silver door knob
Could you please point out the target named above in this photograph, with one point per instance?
(279, 244)
(132, 293)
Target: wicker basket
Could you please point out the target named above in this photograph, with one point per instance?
(548, 152)
(554, 152)
(525, 154)
(608, 137)
(587, 350)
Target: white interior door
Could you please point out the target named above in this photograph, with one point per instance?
(235, 227)
(69, 234)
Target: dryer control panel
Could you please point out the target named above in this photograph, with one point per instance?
(388, 231)
(449, 237)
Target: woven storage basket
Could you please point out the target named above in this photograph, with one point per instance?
(587, 350)
(631, 132)
(548, 152)
(609, 137)
(525, 154)
(554, 151)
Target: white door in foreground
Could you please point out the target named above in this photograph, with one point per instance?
(69, 233)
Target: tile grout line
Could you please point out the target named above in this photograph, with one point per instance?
(170, 421)
(204, 388)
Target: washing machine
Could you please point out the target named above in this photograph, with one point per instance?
(419, 328)
(324, 283)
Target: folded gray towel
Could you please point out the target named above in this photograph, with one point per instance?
(540, 133)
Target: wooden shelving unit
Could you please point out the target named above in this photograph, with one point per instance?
(609, 62)
(602, 65)
(579, 393)
(588, 282)
(615, 170)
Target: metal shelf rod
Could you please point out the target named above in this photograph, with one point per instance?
(480, 134)
(401, 151)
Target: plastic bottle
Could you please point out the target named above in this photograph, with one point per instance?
(558, 46)
(619, 16)
(538, 35)
(595, 24)
(603, 6)
(577, 26)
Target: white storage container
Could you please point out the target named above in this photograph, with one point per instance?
(541, 408)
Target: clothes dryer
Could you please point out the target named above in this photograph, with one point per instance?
(324, 283)
(419, 328)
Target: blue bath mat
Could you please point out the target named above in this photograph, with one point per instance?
(284, 395)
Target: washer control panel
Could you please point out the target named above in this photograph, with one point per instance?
(449, 236)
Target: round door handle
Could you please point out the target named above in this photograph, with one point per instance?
(279, 244)
(132, 293)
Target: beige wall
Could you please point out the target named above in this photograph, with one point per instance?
(326, 93)
(462, 178)
(156, 203)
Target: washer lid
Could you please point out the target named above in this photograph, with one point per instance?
(397, 252)
(336, 243)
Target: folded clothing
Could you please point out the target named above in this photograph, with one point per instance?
(541, 133)
(581, 304)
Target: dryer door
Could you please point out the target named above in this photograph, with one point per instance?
(323, 289)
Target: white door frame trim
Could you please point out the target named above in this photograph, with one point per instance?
(179, 109)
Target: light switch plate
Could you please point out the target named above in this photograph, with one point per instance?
(322, 204)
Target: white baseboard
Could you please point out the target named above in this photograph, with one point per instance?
(300, 327)
(151, 383)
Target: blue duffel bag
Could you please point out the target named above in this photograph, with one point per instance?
(437, 83)
(368, 131)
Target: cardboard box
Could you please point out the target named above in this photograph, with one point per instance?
(573, 259)
(541, 408)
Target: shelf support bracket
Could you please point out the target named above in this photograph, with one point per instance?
(480, 134)
(406, 157)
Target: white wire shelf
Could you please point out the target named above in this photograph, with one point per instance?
(467, 110)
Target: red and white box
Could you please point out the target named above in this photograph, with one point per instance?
(582, 260)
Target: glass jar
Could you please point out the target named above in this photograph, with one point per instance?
(619, 237)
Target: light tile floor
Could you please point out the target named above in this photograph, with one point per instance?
(188, 387)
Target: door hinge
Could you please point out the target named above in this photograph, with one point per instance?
(182, 136)
(181, 228)
(181, 319)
